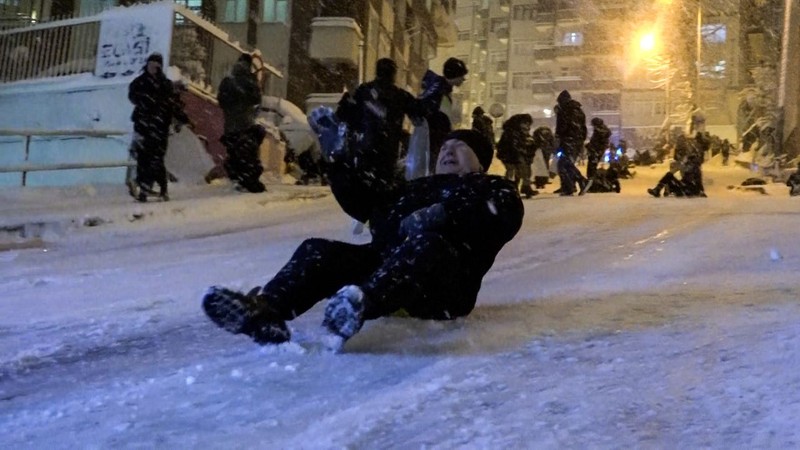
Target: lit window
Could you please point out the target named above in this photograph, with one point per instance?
(235, 11)
(714, 33)
(194, 5)
(275, 10)
(573, 38)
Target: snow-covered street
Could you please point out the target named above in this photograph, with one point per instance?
(610, 321)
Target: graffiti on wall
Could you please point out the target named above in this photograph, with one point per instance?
(124, 52)
(126, 41)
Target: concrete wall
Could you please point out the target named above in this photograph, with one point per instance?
(66, 106)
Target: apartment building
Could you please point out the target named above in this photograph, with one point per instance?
(482, 41)
(409, 31)
(522, 53)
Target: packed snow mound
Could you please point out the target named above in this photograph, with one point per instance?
(291, 121)
(187, 158)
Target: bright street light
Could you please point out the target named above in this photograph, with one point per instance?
(648, 42)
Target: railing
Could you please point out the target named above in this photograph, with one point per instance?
(568, 51)
(567, 82)
(544, 17)
(50, 49)
(67, 47)
(542, 88)
(205, 53)
(544, 53)
(26, 166)
(568, 15)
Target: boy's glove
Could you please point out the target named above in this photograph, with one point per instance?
(332, 134)
(423, 219)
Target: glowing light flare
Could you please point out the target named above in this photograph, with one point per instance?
(647, 43)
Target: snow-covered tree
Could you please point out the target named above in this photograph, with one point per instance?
(188, 54)
(759, 112)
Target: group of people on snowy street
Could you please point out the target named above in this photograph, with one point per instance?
(525, 154)
(433, 237)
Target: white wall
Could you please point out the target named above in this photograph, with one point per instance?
(66, 105)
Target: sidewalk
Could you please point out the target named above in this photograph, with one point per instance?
(31, 215)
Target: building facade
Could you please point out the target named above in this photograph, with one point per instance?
(407, 31)
(522, 53)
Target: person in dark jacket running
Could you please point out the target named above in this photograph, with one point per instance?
(433, 240)
(156, 105)
(374, 115)
(239, 96)
(571, 133)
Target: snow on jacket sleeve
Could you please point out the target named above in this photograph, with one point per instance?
(357, 193)
(489, 216)
(434, 88)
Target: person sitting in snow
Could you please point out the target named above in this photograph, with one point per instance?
(433, 240)
(689, 185)
(605, 180)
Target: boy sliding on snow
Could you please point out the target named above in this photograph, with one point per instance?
(433, 240)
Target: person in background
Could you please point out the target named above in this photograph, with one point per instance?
(483, 124)
(794, 182)
(726, 151)
(374, 115)
(544, 144)
(438, 89)
(239, 96)
(597, 146)
(516, 151)
(689, 185)
(571, 133)
(156, 104)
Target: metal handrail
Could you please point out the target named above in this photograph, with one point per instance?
(28, 167)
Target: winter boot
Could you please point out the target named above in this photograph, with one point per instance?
(145, 188)
(245, 314)
(586, 185)
(344, 315)
(527, 191)
(656, 191)
(133, 189)
(163, 195)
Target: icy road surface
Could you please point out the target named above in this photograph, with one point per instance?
(611, 321)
